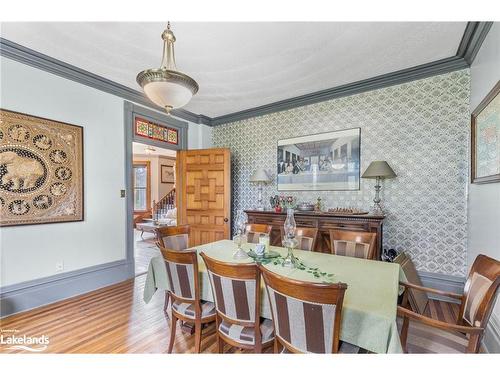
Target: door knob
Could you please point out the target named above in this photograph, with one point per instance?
(226, 220)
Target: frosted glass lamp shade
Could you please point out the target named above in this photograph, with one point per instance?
(260, 175)
(168, 94)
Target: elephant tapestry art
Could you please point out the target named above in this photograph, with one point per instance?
(41, 170)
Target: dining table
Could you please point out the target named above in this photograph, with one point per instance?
(370, 302)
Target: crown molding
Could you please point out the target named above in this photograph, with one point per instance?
(190, 116)
(473, 38)
(49, 64)
(418, 72)
(474, 35)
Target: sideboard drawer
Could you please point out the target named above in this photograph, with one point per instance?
(306, 222)
(274, 221)
(363, 227)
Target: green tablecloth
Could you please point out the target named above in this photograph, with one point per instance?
(369, 311)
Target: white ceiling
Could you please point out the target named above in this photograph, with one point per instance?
(140, 149)
(244, 65)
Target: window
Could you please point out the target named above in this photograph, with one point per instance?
(142, 188)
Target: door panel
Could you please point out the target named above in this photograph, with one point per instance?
(204, 202)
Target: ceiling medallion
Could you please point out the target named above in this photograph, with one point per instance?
(166, 86)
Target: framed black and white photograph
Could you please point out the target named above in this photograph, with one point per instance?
(325, 161)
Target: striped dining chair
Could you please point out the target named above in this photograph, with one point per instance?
(183, 279)
(306, 238)
(426, 335)
(353, 244)
(306, 315)
(254, 231)
(174, 238)
(236, 290)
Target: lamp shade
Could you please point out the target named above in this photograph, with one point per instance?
(379, 168)
(260, 175)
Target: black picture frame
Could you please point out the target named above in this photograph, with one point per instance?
(328, 161)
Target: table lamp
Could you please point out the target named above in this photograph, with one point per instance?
(260, 177)
(378, 170)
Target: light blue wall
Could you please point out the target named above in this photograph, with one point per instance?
(31, 252)
(484, 199)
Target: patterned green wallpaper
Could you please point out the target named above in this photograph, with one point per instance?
(421, 128)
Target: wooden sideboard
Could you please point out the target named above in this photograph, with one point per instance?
(324, 221)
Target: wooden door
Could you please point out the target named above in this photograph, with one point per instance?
(204, 199)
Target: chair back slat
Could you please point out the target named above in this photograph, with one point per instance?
(182, 273)
(306, 315)
(351, 248)
(253, 231)
(353, 244)
(234, 298)
(174, 238)
(306, 237)
(306, 326)
(480, 291)
(235, 288)
(181, 279)
(176, 242)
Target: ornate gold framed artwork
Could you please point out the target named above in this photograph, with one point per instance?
(41, 170)
(485, 139)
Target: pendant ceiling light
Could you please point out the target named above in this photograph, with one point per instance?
(166, 86)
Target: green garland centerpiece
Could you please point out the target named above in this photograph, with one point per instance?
(290, 261)
(279, 260)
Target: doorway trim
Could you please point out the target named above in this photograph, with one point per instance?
(130, 111)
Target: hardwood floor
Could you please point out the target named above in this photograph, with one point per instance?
(110, 320)
(144, 249)
(444, 311)
(116, 320)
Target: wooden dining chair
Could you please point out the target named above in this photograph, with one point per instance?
(236, 290)
(173, 238)
(476, 302)
(317, 306)
(353, 244)
(306, 238)
(183, 278)
(253, 231)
